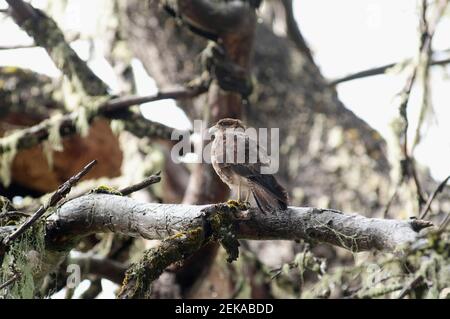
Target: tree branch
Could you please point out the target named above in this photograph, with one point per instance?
(378, 71)
(215, 17)
(140, 275)
(47, 34)
(93, 92)
(100, 266)
(438, 189)
(61, 192)
(293, 30)
(108, 213)
(67, 124)
(16, 47)
(186, 228)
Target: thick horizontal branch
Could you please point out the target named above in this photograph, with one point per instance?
(109, 213)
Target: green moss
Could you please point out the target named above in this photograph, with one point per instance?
(25, 256)
(387, 274)
(223, 227)
(5, 205)
(140, 275)
(102, 189)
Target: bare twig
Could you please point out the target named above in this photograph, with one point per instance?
(99, 266)
(16, 274)
(438, 189)
(123, 103)
(427, 29)
(413, 284)
(293, 30)
(378, 71)
(444, 223)
(145, 183)
(62, 191)
(393, 196)
(95, 288)
(19, 46)
(10, 281)
(34, 135)
(13, 214)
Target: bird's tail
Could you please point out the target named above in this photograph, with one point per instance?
(271, 198)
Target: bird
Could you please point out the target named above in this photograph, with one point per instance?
(240, 171)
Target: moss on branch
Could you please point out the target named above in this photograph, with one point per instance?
(218, 224)
(140, 275)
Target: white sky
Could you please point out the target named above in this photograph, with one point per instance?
(346, 36)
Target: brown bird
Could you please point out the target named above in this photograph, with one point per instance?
(238, 169)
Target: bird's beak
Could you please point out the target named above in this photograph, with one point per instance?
(212, 130)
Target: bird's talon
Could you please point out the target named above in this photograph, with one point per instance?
(240, 205)
(244, 205)
(233, 203)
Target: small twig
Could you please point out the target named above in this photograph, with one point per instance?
(391, 200)
(427, 29)
(33, 135)
(19, 46)
(16, 274)
(176, 94)
(444, 223)
(10, 281)
(427, 206)
(12, 214)
(61, 192)
(293, 30)
(95, 288)
(141, 185)
(378, 71)
(413, 284)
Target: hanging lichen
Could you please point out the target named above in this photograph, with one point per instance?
(54, 142)
(86, 114)
(82, 123)
(24, 255)
(117, 127)
(8, 146)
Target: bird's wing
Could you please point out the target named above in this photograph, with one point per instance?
(251, 151)
(269, 194)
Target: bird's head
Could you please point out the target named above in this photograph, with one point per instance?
(226, 123)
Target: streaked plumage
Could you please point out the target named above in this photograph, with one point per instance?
(268, 193)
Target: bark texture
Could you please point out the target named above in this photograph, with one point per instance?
(99, 213)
